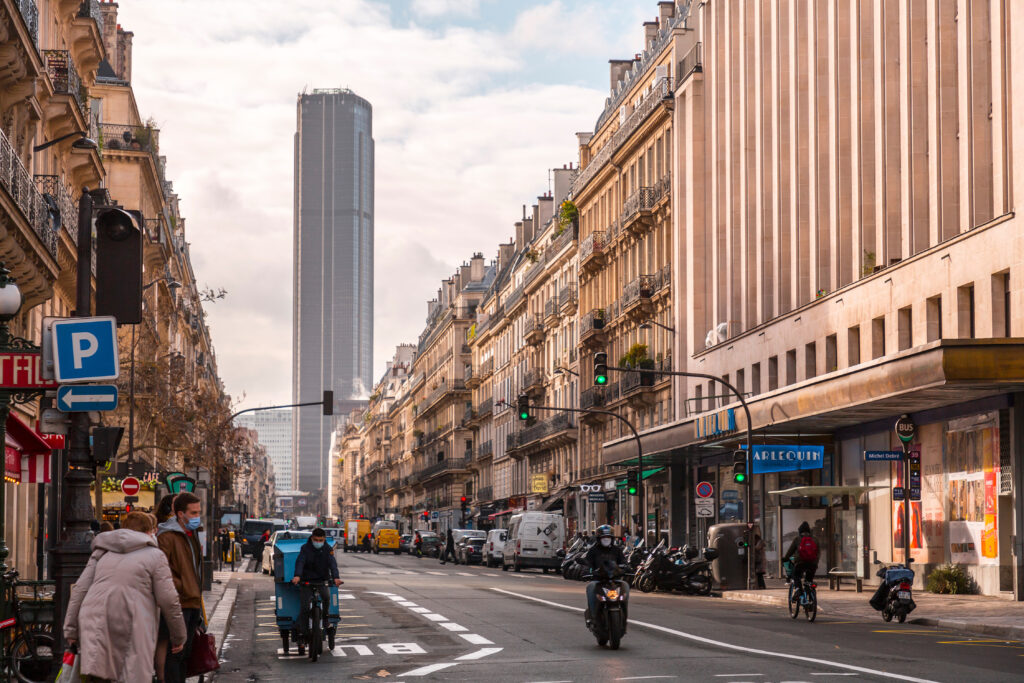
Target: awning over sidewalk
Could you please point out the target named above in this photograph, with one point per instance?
(647, 473)
(816, 491)
(24, 450)
(499, 514)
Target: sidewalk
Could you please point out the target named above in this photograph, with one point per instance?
(981, 614)
(220, 605)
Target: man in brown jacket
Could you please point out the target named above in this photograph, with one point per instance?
(178, 539)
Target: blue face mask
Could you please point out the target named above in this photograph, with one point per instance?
(194, 523)
(318, 544)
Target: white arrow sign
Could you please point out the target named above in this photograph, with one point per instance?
(87, 397)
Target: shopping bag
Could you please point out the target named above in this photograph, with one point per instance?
(70, 669)
(204, 654)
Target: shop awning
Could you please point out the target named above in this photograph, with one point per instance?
(499, 514)
(557, 500)
(24, 450)
(816, 491)
(647, 473)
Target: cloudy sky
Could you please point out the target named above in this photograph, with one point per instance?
(473, 102)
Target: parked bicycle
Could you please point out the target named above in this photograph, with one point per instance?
(30, 656)
(802, 594)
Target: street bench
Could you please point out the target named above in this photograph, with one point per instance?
(836, 576)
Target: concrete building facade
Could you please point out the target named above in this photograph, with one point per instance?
(275, 434)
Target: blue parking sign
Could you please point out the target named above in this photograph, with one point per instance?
(85, 349)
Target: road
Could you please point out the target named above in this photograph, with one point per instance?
(408, 619)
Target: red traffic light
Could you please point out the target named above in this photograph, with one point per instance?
(463, 500)
(127, 508)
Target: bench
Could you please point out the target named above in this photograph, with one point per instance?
(836, 576)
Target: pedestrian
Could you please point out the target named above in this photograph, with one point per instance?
(760, 563)
(105, 526)
(258, 554)
(164, 509)
(449, 547)
(112, 612)
(177, 538)
(417, 545)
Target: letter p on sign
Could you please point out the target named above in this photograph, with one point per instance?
(83, 345)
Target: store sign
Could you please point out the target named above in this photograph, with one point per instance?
(787, 458)
(539, 483)
(716, 424)
(593, 497)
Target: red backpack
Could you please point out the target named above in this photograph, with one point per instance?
(807, 551)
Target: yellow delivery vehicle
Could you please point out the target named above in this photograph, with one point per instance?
(386, 537)
(355, 531)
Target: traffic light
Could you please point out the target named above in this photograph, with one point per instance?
(127, 508)
(328, 402)
(119, 264)
(105, 442)
(739, 467)
(465, 507)
(523, 402)
(426, 515)
(633, 482)
(600, 368)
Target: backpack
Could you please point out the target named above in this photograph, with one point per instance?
(807, 551)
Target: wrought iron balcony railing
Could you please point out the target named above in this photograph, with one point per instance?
(18, 182)
(90, 9)
(51, 186)
(642, 199)
(64, 75)
(592, 244)
(639, 289)
(30, 14)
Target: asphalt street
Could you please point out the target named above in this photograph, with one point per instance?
(408, 619)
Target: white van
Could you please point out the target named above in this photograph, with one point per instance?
(533, 540)
(494, 547)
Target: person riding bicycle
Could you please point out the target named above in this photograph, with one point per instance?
(804, 551)
(601, 554)
(315, 565)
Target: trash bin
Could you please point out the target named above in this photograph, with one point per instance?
(729, 568)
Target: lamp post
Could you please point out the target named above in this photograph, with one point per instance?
(83, 141)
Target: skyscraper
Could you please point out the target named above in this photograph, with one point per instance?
(332, 327)
(275, 434)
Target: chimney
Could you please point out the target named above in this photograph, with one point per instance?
(505, 252)
(520, 236)
(545, 210)
(563, 179)
(124, 54)
(650, 33)
(666, 11)
(465, 275)
(528, 225)
(476, 267)
(583, 140)
(108, 10)
(618, 68)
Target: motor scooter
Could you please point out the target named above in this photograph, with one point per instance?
(608, 623)
(894, 597)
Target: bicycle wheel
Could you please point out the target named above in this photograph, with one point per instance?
(316, 635)
(811, 608)
(794, 601)
(31, 657)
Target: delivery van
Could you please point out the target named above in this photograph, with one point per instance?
(355, 532)
(386, 537)
(533, 540)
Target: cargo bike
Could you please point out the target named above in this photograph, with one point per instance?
(287, 603)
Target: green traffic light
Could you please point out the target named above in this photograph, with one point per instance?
(601, 379)
(740, 477)
(524, 416)
(632, 490)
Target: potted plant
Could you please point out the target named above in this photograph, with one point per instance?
(568, 214)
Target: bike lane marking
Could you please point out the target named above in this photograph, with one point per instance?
(732, 646)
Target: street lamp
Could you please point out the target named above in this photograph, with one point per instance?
(559, 370)
(646, 325)
(10, 303)
(171, 284)
(83, 141)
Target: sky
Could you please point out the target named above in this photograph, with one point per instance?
(473, 101)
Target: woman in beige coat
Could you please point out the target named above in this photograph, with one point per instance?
(113, 605)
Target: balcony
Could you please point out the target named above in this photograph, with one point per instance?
(592, 398)
(592, 250)
(446, 466)
(472, 380)
(533, 381)
(118, 136)
(515, 299)
(394, 484)
(64, 77)
(533, 330)
(569, 234)
(592, 328)
(485, 450)
(468, 418)
(636, 299)
(486, 368)
(486, 407)
(567, 300)
(639, 386)
(55, 193)
(662, 190)
(30, 15)
(665, 281)
(554, 431)
(443, 390)
(551, 311)
(638, 211)
(18, 182)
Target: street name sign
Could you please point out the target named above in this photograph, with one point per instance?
(130, 486)
(705, 507)
(883, 455)
(86, 397)
(23, 370)
(85, 349)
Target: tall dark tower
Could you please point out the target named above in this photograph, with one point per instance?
(332, 327)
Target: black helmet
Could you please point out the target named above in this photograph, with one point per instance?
(604, 531)
(804, 528)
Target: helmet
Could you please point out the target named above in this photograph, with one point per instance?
(604, 531)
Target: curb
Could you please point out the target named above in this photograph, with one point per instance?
(979, 628)
(220, 620)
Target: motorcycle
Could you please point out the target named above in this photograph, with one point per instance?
(572, 570)
(896, 591)
(608, 624)
(676, 569)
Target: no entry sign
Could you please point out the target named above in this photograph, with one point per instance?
(130, 486)
(705, 489)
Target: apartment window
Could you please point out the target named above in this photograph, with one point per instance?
(831, 354)
(791, 367)
(698, 399)
(1001, 304)
(755, 378)
(724, 394)
(933, 318)
(905, 327)
(810, 361)
(878, 337)
(853, 346)
(740, 380)
(773, 373)
(965, 311)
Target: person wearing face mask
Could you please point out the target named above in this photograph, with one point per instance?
(178, 538)
(316, 565)
(603, 553)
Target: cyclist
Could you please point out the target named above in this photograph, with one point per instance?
(315, 565)
(600, 555)
(804, 551)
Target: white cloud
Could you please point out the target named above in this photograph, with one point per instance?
(439, 8)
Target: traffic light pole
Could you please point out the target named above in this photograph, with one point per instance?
(748, 511)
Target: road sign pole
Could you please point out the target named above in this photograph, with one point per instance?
(905, 431)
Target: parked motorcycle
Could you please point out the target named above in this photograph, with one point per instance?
(572, 570)
(894, 597)
(686, 569)
(608, 623)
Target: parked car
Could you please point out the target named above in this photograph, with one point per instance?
(494, 546)
(405, 543)
(252, 532)
(471, 551)
(355, 531)
(267, 562)
(533, 540)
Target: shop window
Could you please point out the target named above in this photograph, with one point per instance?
(810, 360)
(773, 373)
(755, 378)
(905, 327)
(933, 318)
(831, 354)
(878, 337)
(965, 311)
(1001, 304)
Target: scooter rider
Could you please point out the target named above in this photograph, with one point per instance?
(315, 564)
(602, 552)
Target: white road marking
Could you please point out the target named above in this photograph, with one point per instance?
(438, 573)
(435, 617)
(479, 654)
(408, 604)
(731, 646)
(464, 574)
(397, 598)
(361, 650)
(427, 670)
(475, 639)
(419, 610)
(452, 626)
